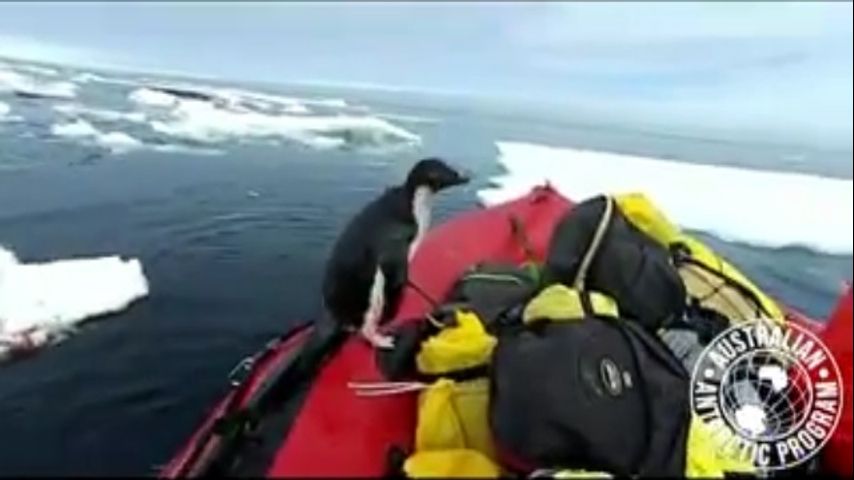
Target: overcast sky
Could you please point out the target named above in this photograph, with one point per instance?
(784, 66)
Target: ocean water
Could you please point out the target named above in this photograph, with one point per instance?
(230, 196)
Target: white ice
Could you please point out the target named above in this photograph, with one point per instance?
(764, 208)
(115, 141)
(13, 81)
(100, 113)
(230, 119)
(43, 300)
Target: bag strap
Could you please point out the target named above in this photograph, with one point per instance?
(498, 277)
(681, 255)
(594, 303)
(595, 244)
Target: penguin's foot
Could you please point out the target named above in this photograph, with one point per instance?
(376, 339)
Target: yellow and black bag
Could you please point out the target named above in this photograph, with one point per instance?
(453, 438)
(711, 282)
(580, 387)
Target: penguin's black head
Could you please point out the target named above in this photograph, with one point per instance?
(435, 174)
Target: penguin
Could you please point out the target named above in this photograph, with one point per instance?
(367, 269)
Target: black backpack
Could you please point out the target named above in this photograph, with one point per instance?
(627, 265)
(585, 388)
(495, 291)
(598, 394)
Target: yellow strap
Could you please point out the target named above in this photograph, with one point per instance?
(561, 303)
(450, 463)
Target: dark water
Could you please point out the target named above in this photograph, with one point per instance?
(227, 269)
(233, 247)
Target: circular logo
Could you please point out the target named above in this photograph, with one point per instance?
(771, 393)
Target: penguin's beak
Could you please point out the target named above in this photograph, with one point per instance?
(462, 179)
(450, 177)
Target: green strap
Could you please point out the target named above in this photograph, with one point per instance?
(496, 277)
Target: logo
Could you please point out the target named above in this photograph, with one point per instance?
(611, 378)
(769, 393)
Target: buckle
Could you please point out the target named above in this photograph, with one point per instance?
(241, 371)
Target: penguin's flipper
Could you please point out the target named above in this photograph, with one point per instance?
(373, 315)
(394, 264)
(395, 272)
(388, 282)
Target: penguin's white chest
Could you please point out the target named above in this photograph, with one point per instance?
(422, 204)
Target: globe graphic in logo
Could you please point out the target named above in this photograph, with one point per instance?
(769, 392)
(765, 395)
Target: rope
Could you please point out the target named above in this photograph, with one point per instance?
(377, 389)
(433, 303)
(518, 231)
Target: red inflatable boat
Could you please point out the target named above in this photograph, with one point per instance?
(289, 415)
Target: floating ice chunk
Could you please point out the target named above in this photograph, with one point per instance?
(41, 302)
